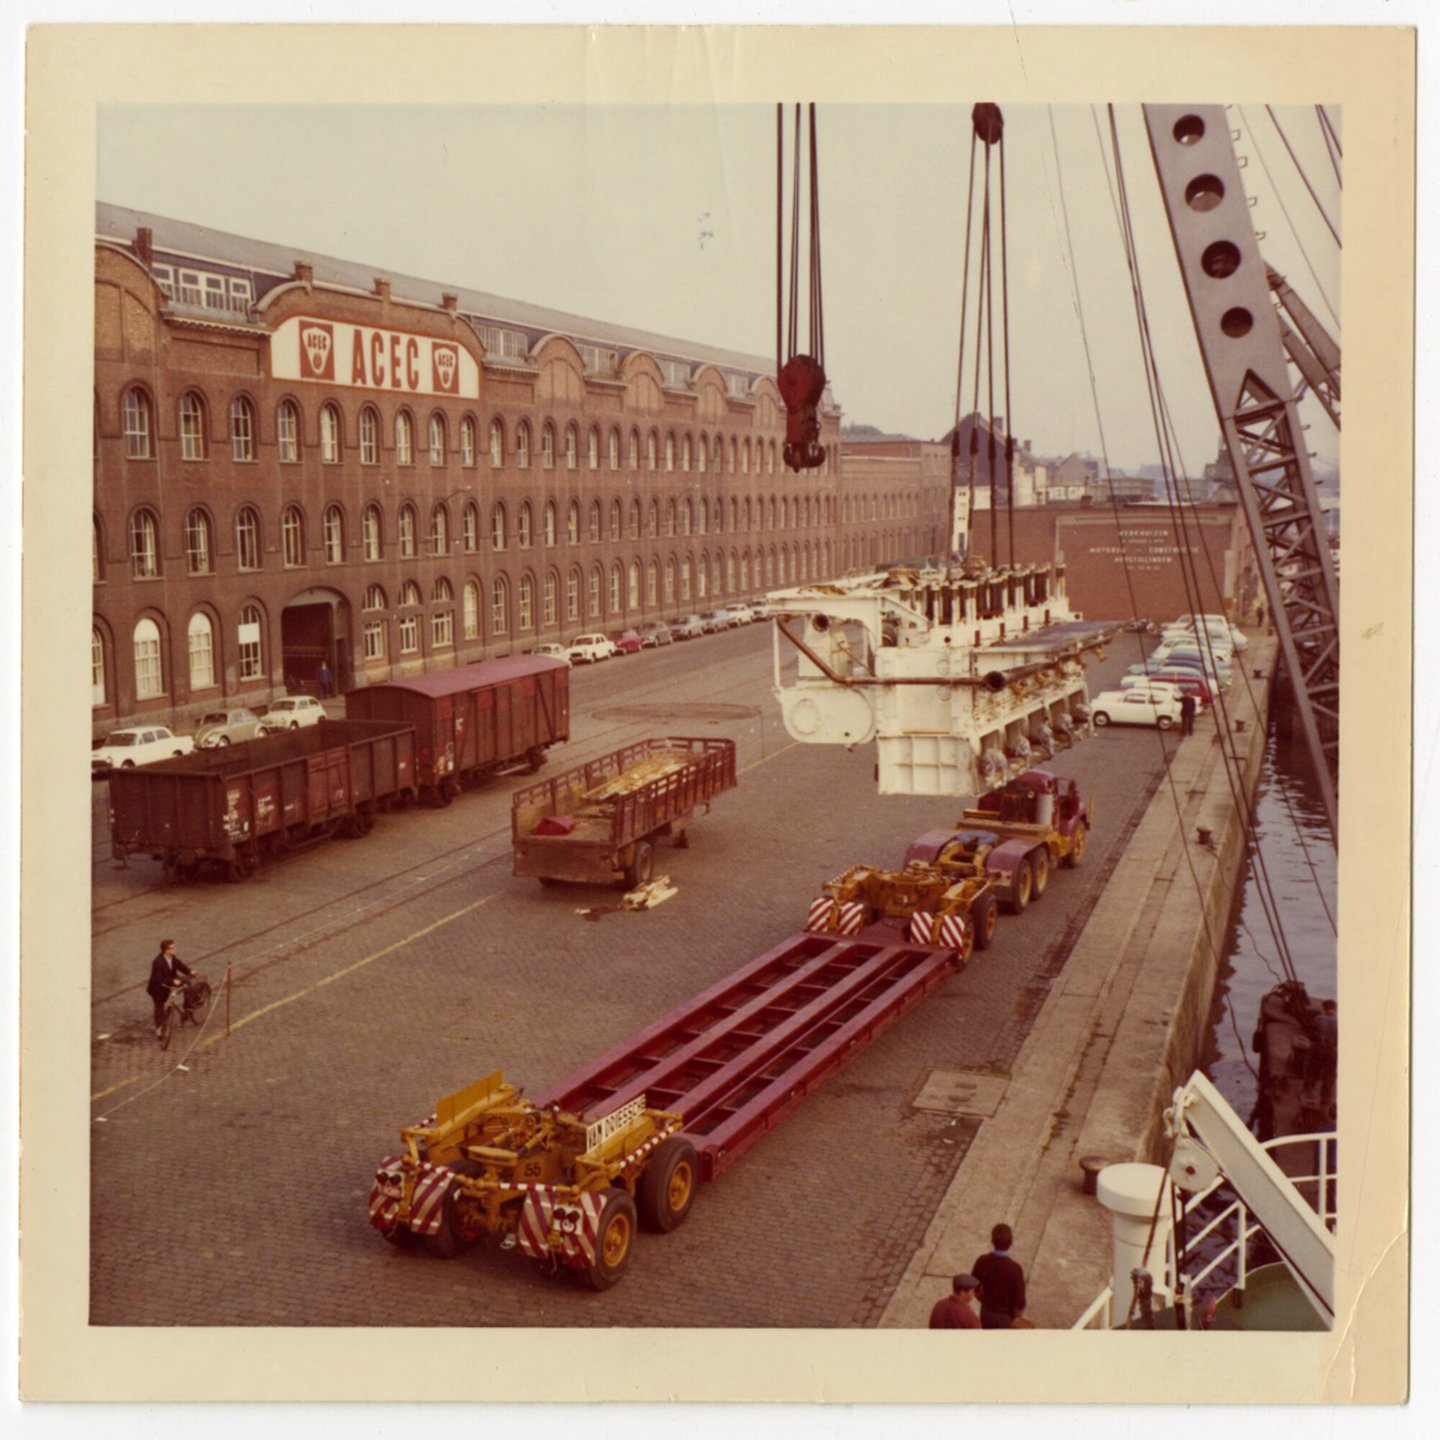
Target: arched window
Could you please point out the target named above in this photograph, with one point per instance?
(614, 450)
(470, 614)
(547, 446)
(372, 532)
(440, 530)
(199, 546)
(670, 517)
(734, 514)
(702, 577)
(635, 519)
(652, 527)
(497, 444)
(330, 434)
(549, 522)
(292, 535)
(374, 628)
(407, 531)
(467, 442)
(192, 427)
(719, 517)
(334, 535)
(442, 622)
(523, 527)
(685, 453)
(409, 619)
(615, 520)
(550, 599)
(745, 458)
(593, 592)
(734, 454)
(651, 449)
(749, 514)
(745, 572)
(499, 596)
(634, 589)
(247, 538)
(772, 512)
(149, 676)
(201, 637)
(437, 439)
(369, 436)
(617, 580)
(287, 433)
(572, 447)
(701, 455)
(770, 459)
(687, 518)
(652, 583)
(670, 452)
(670, 582)
(404, 439)
(702, 516)
(593, 449)
(248, 647)
(572, 523)
(572, 594)
(97, 668)
(470, 526)
(633, 457)
(594, 530)
(497, 527)
(136, 414)
(242, 429)
(522, 445)
(685, 579)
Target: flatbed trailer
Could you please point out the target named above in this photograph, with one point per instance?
(599, 822)
(631, 1135)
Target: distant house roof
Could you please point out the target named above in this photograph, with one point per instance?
(263, 257)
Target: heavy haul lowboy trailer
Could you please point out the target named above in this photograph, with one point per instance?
(600, 822)
(232, 805)
(474, 720)
(627, 1139)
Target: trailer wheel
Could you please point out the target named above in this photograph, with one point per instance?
(1040, 864)
(1024, 886)
(667, 1188)
(986, 916)
(615, 1242)
(641, 866)
(1077, 849)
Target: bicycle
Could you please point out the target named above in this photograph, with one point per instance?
(184, 1006)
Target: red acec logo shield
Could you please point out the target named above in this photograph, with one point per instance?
(317, 351)
(445, 361)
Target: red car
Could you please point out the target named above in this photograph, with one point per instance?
(1190, 682)
(627, 642)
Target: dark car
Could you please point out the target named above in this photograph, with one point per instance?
(656, 633)
(628, 642)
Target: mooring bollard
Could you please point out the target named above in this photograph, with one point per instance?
(1092, 1165)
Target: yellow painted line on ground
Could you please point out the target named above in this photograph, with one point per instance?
(320, 984)
(766, 759)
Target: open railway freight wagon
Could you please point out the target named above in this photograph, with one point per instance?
(232, 805)
(475, 719)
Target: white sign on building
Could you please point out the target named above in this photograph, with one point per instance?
(366, 357)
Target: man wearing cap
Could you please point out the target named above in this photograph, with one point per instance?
(954, 1311)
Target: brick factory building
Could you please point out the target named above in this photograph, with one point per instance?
(297, 460)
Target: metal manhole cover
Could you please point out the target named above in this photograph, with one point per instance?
(678, 711)
(961, 1092)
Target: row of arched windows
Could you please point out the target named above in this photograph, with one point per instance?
(859, 508)
(613, 523)
(520, 446)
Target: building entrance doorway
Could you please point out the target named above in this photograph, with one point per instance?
(314, 628)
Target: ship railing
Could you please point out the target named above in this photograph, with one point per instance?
(1319, 1187)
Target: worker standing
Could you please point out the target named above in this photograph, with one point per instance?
(1002, 1283)
(954, 1312)
(1187, 714)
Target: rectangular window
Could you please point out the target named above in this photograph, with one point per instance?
(242, 437)
(676, 374)
(442, 628)
(191, 292)
(594, 593)
(497, 610)
(197, 545)
(165, 279)
(374, 639)
(288, 440)
(215, 293)
(202, 660)
(148, 683)
(526, 619)
(334, 539)
(572, 597)
(239, 294)
(409, 635)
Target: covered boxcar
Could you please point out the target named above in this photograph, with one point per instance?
(233, 805)
(475, 719)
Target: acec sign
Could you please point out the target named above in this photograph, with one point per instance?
(365, 357)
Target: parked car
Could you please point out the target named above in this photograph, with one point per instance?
(139, 746)
(1152, 704)
(551, 651)
(590, 648)
(1185, 681)
(656, 633)
(228, 727)
(713, 621)
(688, 627)
(628, 642)
(291, 712)
(743, 613)
(1213, 662)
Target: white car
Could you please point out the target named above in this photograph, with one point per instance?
(1152, 704)
(124, 749)
(551, 651)
(743, 614)
(590, 648)
(290, 712)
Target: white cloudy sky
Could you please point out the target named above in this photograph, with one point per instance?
(665, 220)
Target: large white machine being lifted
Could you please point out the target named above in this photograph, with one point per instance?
(959, 678)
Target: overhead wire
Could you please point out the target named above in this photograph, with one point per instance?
(960, 363)
(1300, 170)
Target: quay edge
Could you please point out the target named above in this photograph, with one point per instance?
(1123, 1025)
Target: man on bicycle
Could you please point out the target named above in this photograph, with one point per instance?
(167, 972)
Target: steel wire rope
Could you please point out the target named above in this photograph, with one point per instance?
(990, 372)
(177, 1067)
(1005, 356)
(1190, 579)
(1285, 211)
(960, 371)
(817, 295)
(1300, 170)
(1332, 144)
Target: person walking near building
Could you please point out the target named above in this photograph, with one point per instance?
(1187, 714)
(322, 680)
(1002, 1283)
(954, 1312)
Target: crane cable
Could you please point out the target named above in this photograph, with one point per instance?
(1300, 170)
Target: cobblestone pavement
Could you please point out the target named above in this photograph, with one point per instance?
(372, 978)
